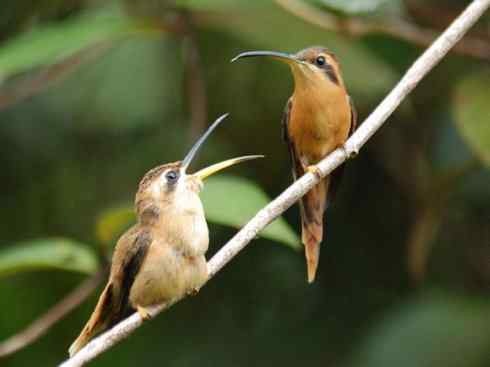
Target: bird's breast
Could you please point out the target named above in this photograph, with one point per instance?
(183, 225)
(167, 273)
(319, 121)
(187, 232)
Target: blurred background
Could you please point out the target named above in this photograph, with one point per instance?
(95, 93)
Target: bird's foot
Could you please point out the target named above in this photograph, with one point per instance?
(193, 292)
(144, 313)
(315, 170)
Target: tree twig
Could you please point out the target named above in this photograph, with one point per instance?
(428, 216)
(398, 28)
(195, 85)
(276, 207)
(31, 85)
(40, 326)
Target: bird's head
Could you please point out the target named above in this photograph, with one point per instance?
(309, 66)
(171, 184)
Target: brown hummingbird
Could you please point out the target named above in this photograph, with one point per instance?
(161, 258)
(318, 118)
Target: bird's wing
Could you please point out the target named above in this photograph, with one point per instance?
(311, 205)
(285, 120)
(132, 251)
(336, 176)
(113, 302)
(297, 167)
(353, 116)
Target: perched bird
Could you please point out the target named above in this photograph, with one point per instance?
(161, 258)
(319, 117)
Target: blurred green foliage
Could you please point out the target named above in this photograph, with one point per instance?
(47, 254)
(405, 268)
(360, 6)
(237, 209)
(233, 210)
(473, 113)
(52, 43)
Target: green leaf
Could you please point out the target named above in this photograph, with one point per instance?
(227, 200)
(111, 223)
(472, 110)
(49, 44)
(359, 6)
(220, 5)
(233, 201)
(265, 30)
(48, 254)
(435, 331)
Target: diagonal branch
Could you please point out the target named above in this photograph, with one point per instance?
(33, 84)
(42, 325)
(276, 207)
(195, 85)
(398, 28)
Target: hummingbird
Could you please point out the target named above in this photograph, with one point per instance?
(318, 118)
(162, 257)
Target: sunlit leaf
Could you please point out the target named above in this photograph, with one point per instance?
(47, 254)
(49, 44)
(472, 110)
(233, 201)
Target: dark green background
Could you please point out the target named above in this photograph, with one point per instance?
(81, 144)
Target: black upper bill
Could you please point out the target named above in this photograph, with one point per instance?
(278, 55)
(188, 158)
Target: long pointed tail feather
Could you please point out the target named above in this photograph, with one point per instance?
(99, 321)
(312, 208)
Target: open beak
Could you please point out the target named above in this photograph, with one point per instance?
(208, 171)
(211, 170)
(281, 56)
(192, 153)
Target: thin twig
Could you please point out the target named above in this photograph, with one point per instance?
(398, 28)
(428, 216)
(195, 85)
(33, 84)
(276, 207)
(40, 326)
(423, 232)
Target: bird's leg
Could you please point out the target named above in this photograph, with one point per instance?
(143, 312)
(193, 291)
(311, 168)
(315, 170)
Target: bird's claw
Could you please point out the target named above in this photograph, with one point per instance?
(193, 291)
(315, 170)
(144, 313)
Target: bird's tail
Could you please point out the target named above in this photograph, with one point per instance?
(312, 208)
(99, 321)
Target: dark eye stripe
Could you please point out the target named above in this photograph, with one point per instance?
(330, 72)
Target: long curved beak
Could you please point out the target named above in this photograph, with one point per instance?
(281, 56)
(211, 170)
(192, 153)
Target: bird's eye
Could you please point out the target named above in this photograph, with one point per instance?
(320, 60)
(172, 176)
